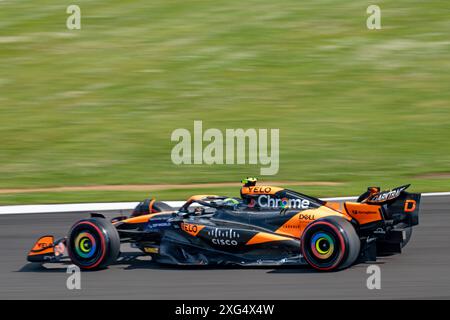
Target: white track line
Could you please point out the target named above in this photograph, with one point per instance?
(52, 208)
(436, 194)
(117, 206)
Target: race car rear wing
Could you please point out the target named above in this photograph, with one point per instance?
(405, 208)
(385, 196)
(399, 205)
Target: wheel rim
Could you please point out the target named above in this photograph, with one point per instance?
(87, 245)
(323, 246)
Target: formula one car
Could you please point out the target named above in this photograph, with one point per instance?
(267, 226)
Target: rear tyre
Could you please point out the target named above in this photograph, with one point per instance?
(144, 208)
(93, 243)
(330, 243)
(162, 206)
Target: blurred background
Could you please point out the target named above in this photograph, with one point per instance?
(81, 110)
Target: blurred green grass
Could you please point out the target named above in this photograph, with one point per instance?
(351, 189)
(97, 106)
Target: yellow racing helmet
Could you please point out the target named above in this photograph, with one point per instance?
(249, 181)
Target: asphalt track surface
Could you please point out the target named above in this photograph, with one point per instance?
(421, 271)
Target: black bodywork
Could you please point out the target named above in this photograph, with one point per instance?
(223, 239)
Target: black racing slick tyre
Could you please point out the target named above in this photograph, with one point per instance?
(144, 207)
(160, 206)
(93, 243)
(330, 244)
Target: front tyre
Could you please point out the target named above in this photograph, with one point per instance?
(93, 243)
(330, 243)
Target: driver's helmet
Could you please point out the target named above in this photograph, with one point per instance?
(230, 202)
(249, 181)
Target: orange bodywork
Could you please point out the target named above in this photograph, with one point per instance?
(259, 190)
(44, 245)
(140, 219)
(363, 213)
(200, 197)
(338, 206)
(262, 237)
(150, 205)
(191, 228)
(297, 224)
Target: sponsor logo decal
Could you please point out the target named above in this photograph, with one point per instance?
(192, 229)
(157, 224)
(387, 195)
(306, 217)
(410, 206)
(364, 212)
(43, 245)
(224, 237)
(151, 250)
(266, 201)
(260, 189)
(225, 242)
